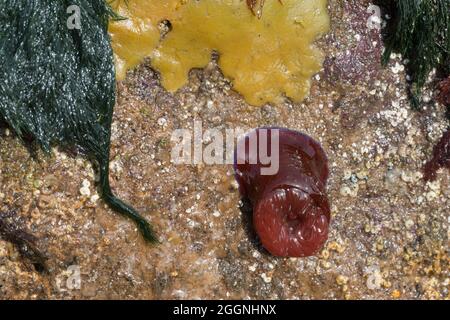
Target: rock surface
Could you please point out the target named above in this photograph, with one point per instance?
(389, 232)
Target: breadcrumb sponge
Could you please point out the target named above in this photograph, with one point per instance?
(266, 58)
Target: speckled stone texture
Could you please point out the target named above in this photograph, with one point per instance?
(389, 231)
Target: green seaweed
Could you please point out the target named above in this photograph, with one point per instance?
(58, 84)
(419, 30)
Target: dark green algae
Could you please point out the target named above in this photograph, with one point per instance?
(57, 85)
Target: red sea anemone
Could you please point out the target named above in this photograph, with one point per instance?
(291, 212)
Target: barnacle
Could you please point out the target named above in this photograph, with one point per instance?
(266, 58)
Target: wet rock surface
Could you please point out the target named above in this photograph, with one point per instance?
(388, 233)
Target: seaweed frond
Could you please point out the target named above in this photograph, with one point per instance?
(419, 30)
(11, 230)
(58, 84)
(113, 15)
(440, 159)
(444, 94)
